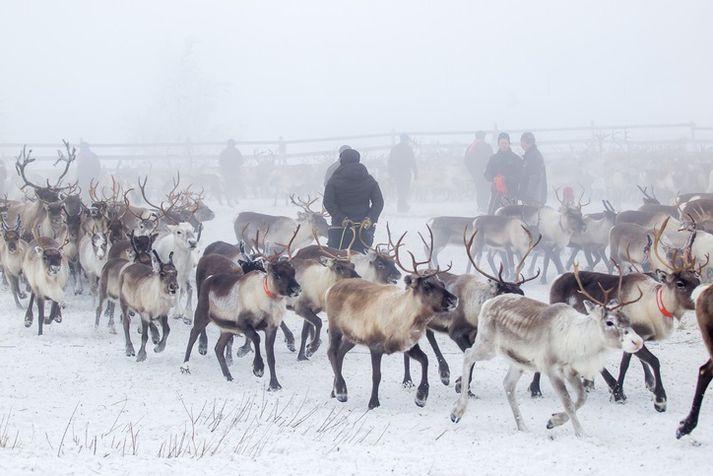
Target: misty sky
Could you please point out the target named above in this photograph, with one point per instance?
(150, 70)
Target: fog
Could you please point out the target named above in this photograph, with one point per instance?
(169, 70)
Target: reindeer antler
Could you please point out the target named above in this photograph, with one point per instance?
(304, 204)
(71, 156)
(468, 249)
(531, 246)
(21, 162)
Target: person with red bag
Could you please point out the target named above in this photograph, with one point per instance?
(504, 171)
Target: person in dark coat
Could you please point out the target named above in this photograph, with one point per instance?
(504, 172)
(230, 164)
(533, 186)
(476, 159)
(333, 167)
(88, 168)
(354, 201)
(402, 169)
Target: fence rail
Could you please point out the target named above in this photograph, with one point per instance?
(556, 141)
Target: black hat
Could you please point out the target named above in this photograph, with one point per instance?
(349, 156)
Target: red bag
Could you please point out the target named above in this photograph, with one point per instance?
(500, 184)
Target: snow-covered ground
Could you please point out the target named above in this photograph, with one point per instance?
(71, 402)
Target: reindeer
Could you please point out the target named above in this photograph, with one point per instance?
(151, 294)
(12, 253)
(245, 304)
(141, 249)
(550, 338)
(46, 270)
(280, 228)
(447, 231)
(698, 211)
(556, 227)
(593, 241)
(461, 324)
(386, 319)
(504, 234)
(45, 216)
(703, 297)
(93, 255)
(666, 297)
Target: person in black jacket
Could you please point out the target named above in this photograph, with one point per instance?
(230, 163)
(402, 169)
(476, 159)
(354, 201)
(533, 187)
(504, 172)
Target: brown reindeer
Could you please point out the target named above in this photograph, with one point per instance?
(703, 296)
(12, 254)
(386, 319)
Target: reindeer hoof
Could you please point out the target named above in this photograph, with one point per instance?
(229, 378)
(407, 383)
(202, 350)
(141, 356)
(48, 320)
(77, 292)
(57, 318)
(112, 330)
(312, 347)
(274, 387)
(422, 395)
(618, 396)
(185, 369)
(291, 346)
(21, 295)
(302, 357)
(660, 405)
(242, 351)
(373, 404)
(455, 418)
(684, 428)
(28, 322)
(588, 385)
(535, 391)
(342, 397)
(258, 372)
(445, 376)
(159, 348)
(130, 351)
(187, 321)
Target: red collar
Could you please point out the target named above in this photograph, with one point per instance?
(660, 304)
(266, 287)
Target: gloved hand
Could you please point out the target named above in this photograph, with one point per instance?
(346, 222)
(366, 223)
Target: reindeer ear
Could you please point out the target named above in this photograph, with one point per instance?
(39, 250)
(328, 262)
(661, 275)
(301, 216)
(371, 254)
(589, 306)
(410, 281)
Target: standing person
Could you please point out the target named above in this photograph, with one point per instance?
(354, 201)
(333, 167)
(230, 164)
(402, 168)
(533, 187)
(504, 172)
(476, 159)
(88, 167)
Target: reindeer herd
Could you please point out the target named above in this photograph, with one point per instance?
(144, 257)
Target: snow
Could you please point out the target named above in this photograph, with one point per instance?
(72, 402)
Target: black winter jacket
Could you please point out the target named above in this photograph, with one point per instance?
(533, 187)
(352, 193)
(509, 165)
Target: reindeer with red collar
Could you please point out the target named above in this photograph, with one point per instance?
(652, 317)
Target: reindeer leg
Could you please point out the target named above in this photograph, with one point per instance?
(303, 341)
(572, 257)
(165, 330)
(510, 383)
(110, 307)
(125, 321)
(188, 312)
(418, 355)
(258, 364)
(289, 337)
(29, 316)
(141, 356)
(315, 328)
(15, 287)
(244, 349)
(375, 378)
(443, 371)
(705, 374)
(464, 344)
(659, 392)
(339, 347)
(407, 381)
(649, 379)
(220, 354)
(576, 383)
(569, 408)
(155, 337)
(270, 334)
(40, 313)
(199, 324)
(203, 342)
(481, 350)
(618, 392)
(229, 351)
(535, 391)
(557, 260)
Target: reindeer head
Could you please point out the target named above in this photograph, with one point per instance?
(425, 284)
(184, 235)
(648, 199)
(280, 279)
(167, 274)
(11, 235)
(572, 219)
(316, 221)
(497, 284)
(614, 325)
(99, 242)
(681, 278)
(51, 256)
(141, 246)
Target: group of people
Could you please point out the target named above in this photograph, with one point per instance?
(505, 177)
(354, 200)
